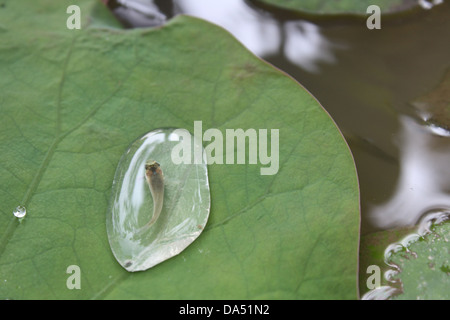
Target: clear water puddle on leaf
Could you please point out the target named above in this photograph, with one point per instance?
(178, 194)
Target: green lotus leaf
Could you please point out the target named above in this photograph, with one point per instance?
(323, 7)
(425, 269)
(73, 100)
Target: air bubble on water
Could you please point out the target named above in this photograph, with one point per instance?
(390, 274)
(410, 239)
(20, 212)
(390, 250)
(431, 218)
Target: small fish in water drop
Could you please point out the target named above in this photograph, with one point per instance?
(20, 212)
(155, 181)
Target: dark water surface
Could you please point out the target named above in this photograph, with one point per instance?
(366, 79)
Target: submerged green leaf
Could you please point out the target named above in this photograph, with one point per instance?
(73, 100)
(425, 271)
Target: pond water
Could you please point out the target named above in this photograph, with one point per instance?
(368, 81)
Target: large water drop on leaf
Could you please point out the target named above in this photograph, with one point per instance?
(138, 241)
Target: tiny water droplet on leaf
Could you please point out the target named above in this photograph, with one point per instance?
(20, 212)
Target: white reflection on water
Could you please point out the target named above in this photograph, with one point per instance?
(424, 177)
(305, 46)
(300, 41)
(143, 13)
(261, 36)
(428, 4)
